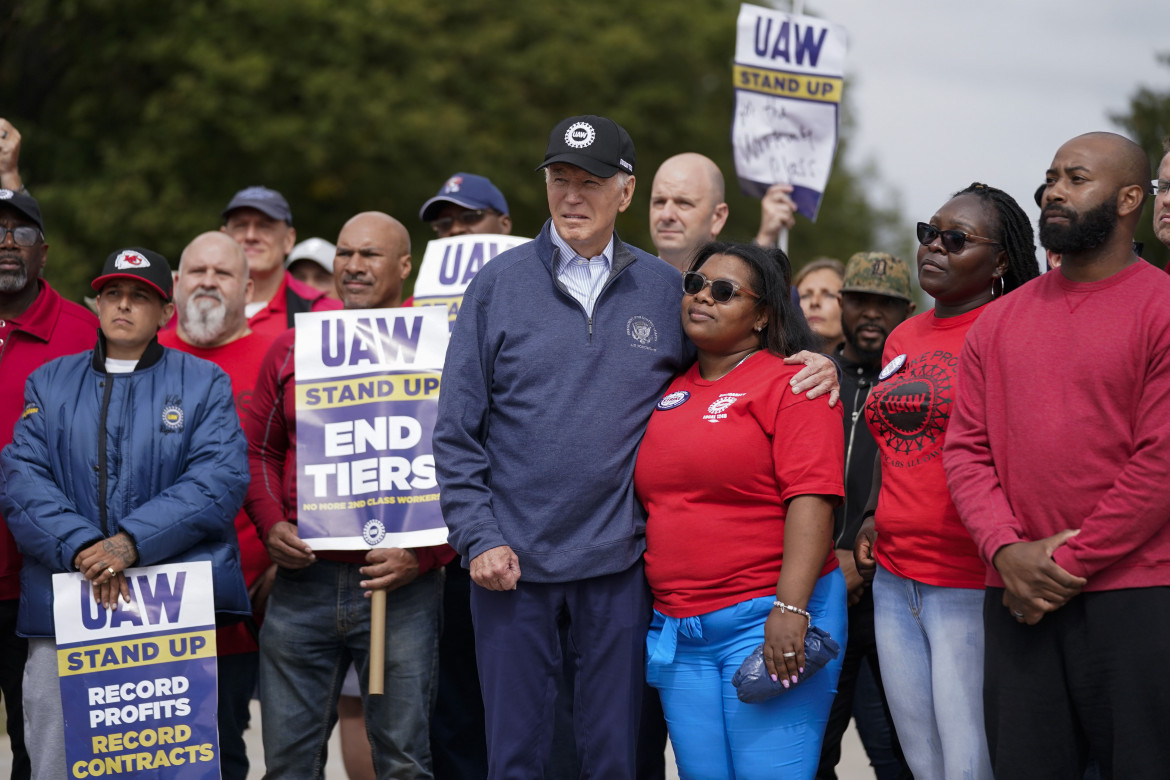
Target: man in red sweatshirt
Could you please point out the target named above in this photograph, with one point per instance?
(318, 617)
(1056, 458)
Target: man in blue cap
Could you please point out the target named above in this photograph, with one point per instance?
(467, 203)
(260, 220)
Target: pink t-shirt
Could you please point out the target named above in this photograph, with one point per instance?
(719, 462)
(920, 536)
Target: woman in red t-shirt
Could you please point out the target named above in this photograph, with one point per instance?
(740, 476)
(928, 587)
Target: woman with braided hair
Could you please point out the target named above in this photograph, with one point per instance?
(929, 580)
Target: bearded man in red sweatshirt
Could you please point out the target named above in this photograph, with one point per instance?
(1057, 458)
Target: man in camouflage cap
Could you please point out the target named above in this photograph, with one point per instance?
(875, 297)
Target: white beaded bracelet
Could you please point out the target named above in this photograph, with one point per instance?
(778, 604)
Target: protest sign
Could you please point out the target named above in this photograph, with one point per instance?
(788, 78)
(449, 265)
(138, 682)
(367, 394)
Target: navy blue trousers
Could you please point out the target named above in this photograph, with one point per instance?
(518, 649)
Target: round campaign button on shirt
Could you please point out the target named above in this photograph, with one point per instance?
(673, 400)
(893, 367)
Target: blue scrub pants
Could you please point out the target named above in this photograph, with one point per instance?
(716, 736)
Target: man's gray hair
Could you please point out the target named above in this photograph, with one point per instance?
(622, 176)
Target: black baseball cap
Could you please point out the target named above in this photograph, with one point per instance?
(137, 263)
(24, 203)
(594, 143)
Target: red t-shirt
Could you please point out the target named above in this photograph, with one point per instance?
(48, 329)
(240, 360)
(272, 320)
(920, 536)
(719, 462)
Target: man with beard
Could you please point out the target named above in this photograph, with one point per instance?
(36, 326)
(1162, 196)
(211, 293)
(875, 298)
(318, 618)
(1056, 457)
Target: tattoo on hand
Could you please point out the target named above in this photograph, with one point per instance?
(121, 547)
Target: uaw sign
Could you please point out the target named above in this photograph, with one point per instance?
(367, 392)
(449, 265)
(788, 77)
(138, 682)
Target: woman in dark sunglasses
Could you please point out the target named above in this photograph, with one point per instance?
(740, 477)
(928, 586)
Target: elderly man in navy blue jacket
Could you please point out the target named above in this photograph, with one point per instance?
(128, 454)
(560, 351)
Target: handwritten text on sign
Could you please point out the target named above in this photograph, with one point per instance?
(788, 79)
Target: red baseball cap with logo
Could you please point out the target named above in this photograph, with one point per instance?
(138, 263)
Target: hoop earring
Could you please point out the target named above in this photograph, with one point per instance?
(995, 294)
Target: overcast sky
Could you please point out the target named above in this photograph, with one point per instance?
(947, 93)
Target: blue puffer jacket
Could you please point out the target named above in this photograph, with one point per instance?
(162, 444)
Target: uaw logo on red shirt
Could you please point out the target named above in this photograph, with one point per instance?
(717, 410)
(130, 259)
(910, 409)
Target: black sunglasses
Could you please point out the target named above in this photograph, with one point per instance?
(23, 236)
(722, 290)
(466, 218)
(952, 240)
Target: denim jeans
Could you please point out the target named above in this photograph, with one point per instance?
(317, 624)
(714, 734)
(930, 649)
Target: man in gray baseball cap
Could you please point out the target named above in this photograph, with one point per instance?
(260, 221)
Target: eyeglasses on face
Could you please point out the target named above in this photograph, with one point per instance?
(465, 218)
(952, 240)
(1159, 187)
(722, 290)
(23, 235)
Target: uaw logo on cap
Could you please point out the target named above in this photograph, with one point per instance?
(130, 260)
(6, 194)
(373, 532)
(579, 135)
(673, 400)
(453, 184)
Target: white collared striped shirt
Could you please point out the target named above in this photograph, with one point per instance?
(582, 277)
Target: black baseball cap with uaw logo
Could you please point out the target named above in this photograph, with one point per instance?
(594, 143)
(141, 264)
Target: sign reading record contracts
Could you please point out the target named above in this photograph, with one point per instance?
(367, 391)
(788, 80)
(138, 682)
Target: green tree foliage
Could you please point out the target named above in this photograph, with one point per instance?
(1148, 123)
(142, 117)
